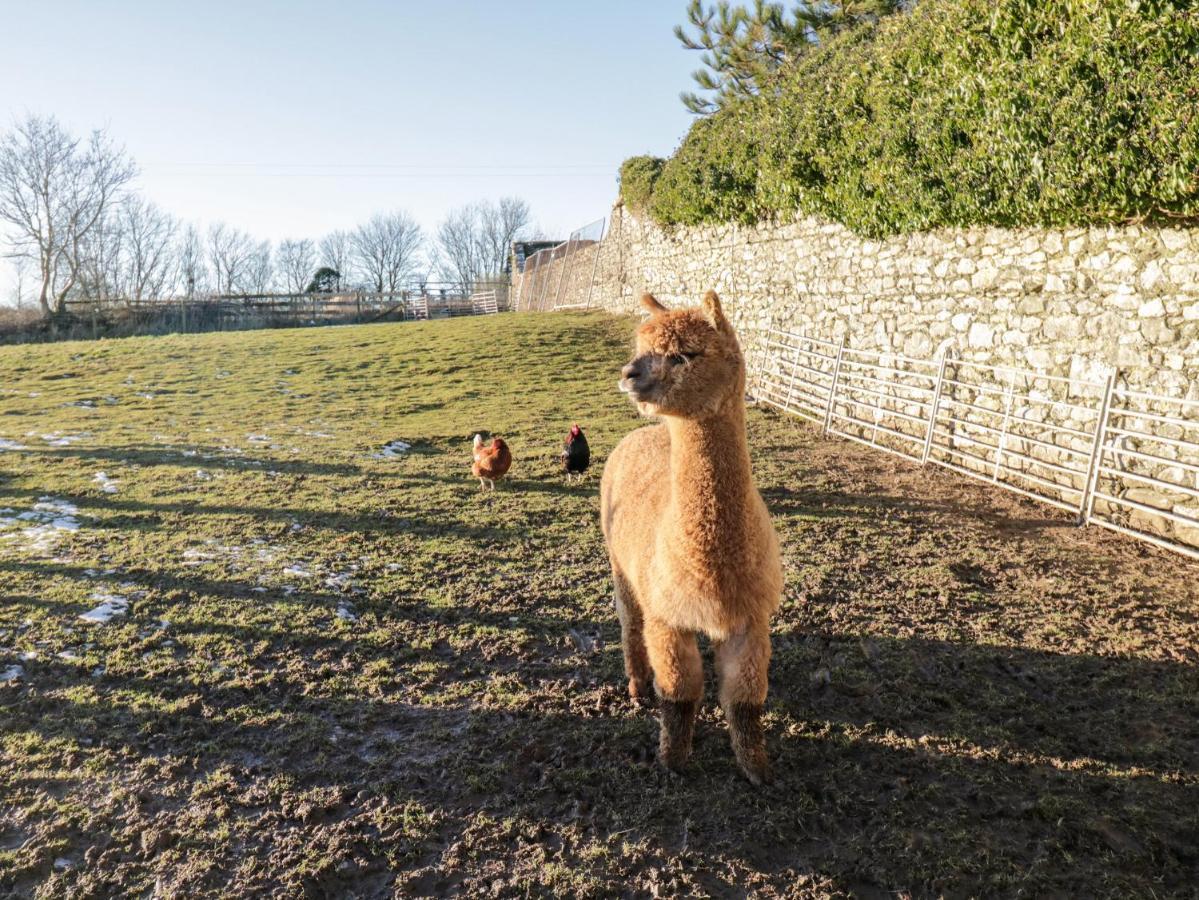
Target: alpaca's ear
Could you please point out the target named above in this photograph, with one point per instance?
(651, 303)
(713, 311)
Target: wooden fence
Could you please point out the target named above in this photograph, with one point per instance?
(232, 312)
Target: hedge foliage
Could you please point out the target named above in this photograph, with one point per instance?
(962, 112)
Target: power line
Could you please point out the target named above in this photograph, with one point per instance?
(376, 175)
(278, 165)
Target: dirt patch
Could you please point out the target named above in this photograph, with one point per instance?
(970, 696)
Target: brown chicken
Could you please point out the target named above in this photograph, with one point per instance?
(491, 463)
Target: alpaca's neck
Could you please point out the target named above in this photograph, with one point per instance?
(709, 471)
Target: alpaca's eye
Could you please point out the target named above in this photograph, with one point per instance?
(679, 358)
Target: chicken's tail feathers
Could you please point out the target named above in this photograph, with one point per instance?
(478, 441)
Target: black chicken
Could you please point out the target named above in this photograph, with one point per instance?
(576, 455)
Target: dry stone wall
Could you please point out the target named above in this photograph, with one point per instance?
(1071, 303)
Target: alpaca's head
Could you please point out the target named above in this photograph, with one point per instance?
(686, 363)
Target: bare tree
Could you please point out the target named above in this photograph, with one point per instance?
(458, 257)
(101, 253)
(386, 249)
(191, 270)
(499, 225)
(54, 189)
(260, 268)
(149, 243)
(296, 264)
(20, 267)
(336, 252)
(229, 254)
(474, 241)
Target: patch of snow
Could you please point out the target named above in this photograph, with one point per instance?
(111, 605)
(68, 654)
(214, 551)
(258, 438)
(346, 613)
(12, 673)
(297, 572)
(151, 630)
(83, 404)
(58, 439)
(6, 444)
(107, 485)
(42, 526)
(392, 450)
(62, 863)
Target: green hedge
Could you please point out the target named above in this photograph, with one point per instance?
(962, 112)
(637, 177)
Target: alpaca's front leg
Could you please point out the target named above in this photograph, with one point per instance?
(742, 666)
(632, 638)
(679, 680)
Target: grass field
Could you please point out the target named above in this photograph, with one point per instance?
(329, 671)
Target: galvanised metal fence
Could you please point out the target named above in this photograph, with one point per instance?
(484, 303)
(1121, 459)
(562, 276)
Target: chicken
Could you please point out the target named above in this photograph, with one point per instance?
(491, 463)
(576, 455)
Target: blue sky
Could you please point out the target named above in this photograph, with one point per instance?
(290, 119)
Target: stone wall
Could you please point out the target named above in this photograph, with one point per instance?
(1072, 303)
(1068, 302)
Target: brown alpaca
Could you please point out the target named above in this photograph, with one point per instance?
(691, 544)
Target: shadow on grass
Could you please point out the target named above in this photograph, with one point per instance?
(803, 502)
(144, 516)
(204, 458)
(925, 766)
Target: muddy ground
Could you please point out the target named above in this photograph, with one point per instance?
(344, 672)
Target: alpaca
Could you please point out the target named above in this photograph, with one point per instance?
(690, 541)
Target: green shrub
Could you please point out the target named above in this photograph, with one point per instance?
(963, 112)
(637, 177)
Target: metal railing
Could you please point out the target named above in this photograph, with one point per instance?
(562, 276)
(1125, 460)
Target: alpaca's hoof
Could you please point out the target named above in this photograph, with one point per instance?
(674, 763)
(639, 690)
(677, 719)
(757, 773)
